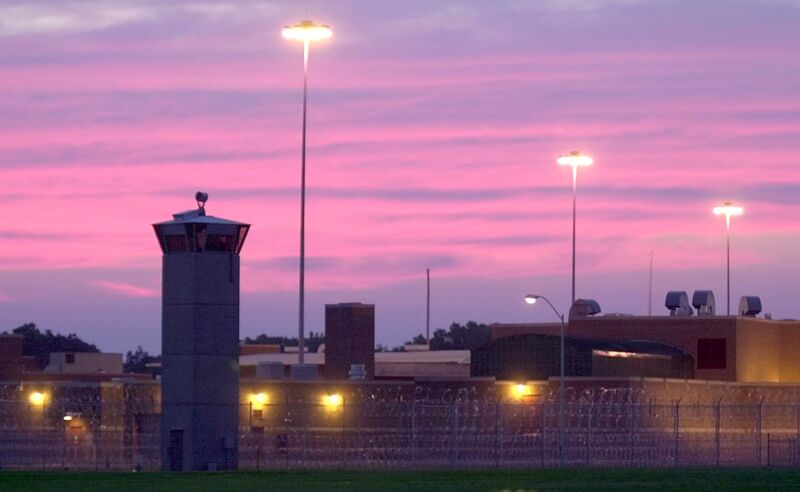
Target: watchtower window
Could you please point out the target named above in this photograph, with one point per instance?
(176, 243)
(219, 243)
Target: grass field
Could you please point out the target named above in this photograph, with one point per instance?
(468, 480)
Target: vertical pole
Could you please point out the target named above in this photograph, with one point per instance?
(428, 310)
(650, 287)
(728, 254)
(574, 208)
(301, 319)
(561, 430)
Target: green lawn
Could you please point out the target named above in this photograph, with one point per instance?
(469, 480)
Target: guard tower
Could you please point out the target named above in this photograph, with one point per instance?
(200, 340)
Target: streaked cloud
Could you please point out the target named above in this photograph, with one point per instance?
(126, 289)
(433, 130)
(69, 17)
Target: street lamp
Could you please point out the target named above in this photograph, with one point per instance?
(575, 160)
(728, 209)
(307, 32)
(531, 299)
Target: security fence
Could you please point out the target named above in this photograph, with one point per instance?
(607, 428)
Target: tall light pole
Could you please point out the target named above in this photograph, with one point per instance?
(575, 160)
(531, 299)
(728, 209)
(307, 32)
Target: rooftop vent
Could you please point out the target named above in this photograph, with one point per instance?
(583, 308)
(678, 303)
(703, 301)
(750, 306)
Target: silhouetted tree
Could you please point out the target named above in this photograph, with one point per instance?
(137, 360)
(458, 337)
(40, 345)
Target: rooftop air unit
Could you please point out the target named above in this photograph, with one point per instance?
(678, 303)
(583, 308)
(750, 306)
(703, 301)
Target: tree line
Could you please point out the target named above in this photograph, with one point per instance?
(39, 344)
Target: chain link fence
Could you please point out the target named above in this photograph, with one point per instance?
(91, 430)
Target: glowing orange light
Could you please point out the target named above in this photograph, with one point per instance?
(258, 400)
(37, 398)
(521, 390)
(332, 401)
(307, 31)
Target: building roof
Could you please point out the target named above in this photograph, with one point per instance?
(431, 357)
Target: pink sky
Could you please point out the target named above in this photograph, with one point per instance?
(433, 133)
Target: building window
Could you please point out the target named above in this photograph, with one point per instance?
(711, 353)
(69, 358)
(176, 243)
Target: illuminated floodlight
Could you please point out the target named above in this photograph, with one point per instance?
(37, 398)
(728, 209)
(67, 418)
(531, 299)
(332, 401)
(575, 159)
(258, 400)
(521, 390)
(307, 31)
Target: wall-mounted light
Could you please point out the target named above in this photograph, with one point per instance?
(519, 391)
(37, 398)
(258, 400)
(332, 401)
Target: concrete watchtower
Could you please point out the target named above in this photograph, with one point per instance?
(200, 340)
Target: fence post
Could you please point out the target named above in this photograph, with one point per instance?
(758, 429)
(797, 432)
(677, 431)
(631, 426)
(769, 463)
(413, 430)
(544, 427)
(589, 412)
(718, 417)
(453, 432)
(496, 433)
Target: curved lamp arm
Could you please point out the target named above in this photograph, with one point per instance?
(532, 298)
